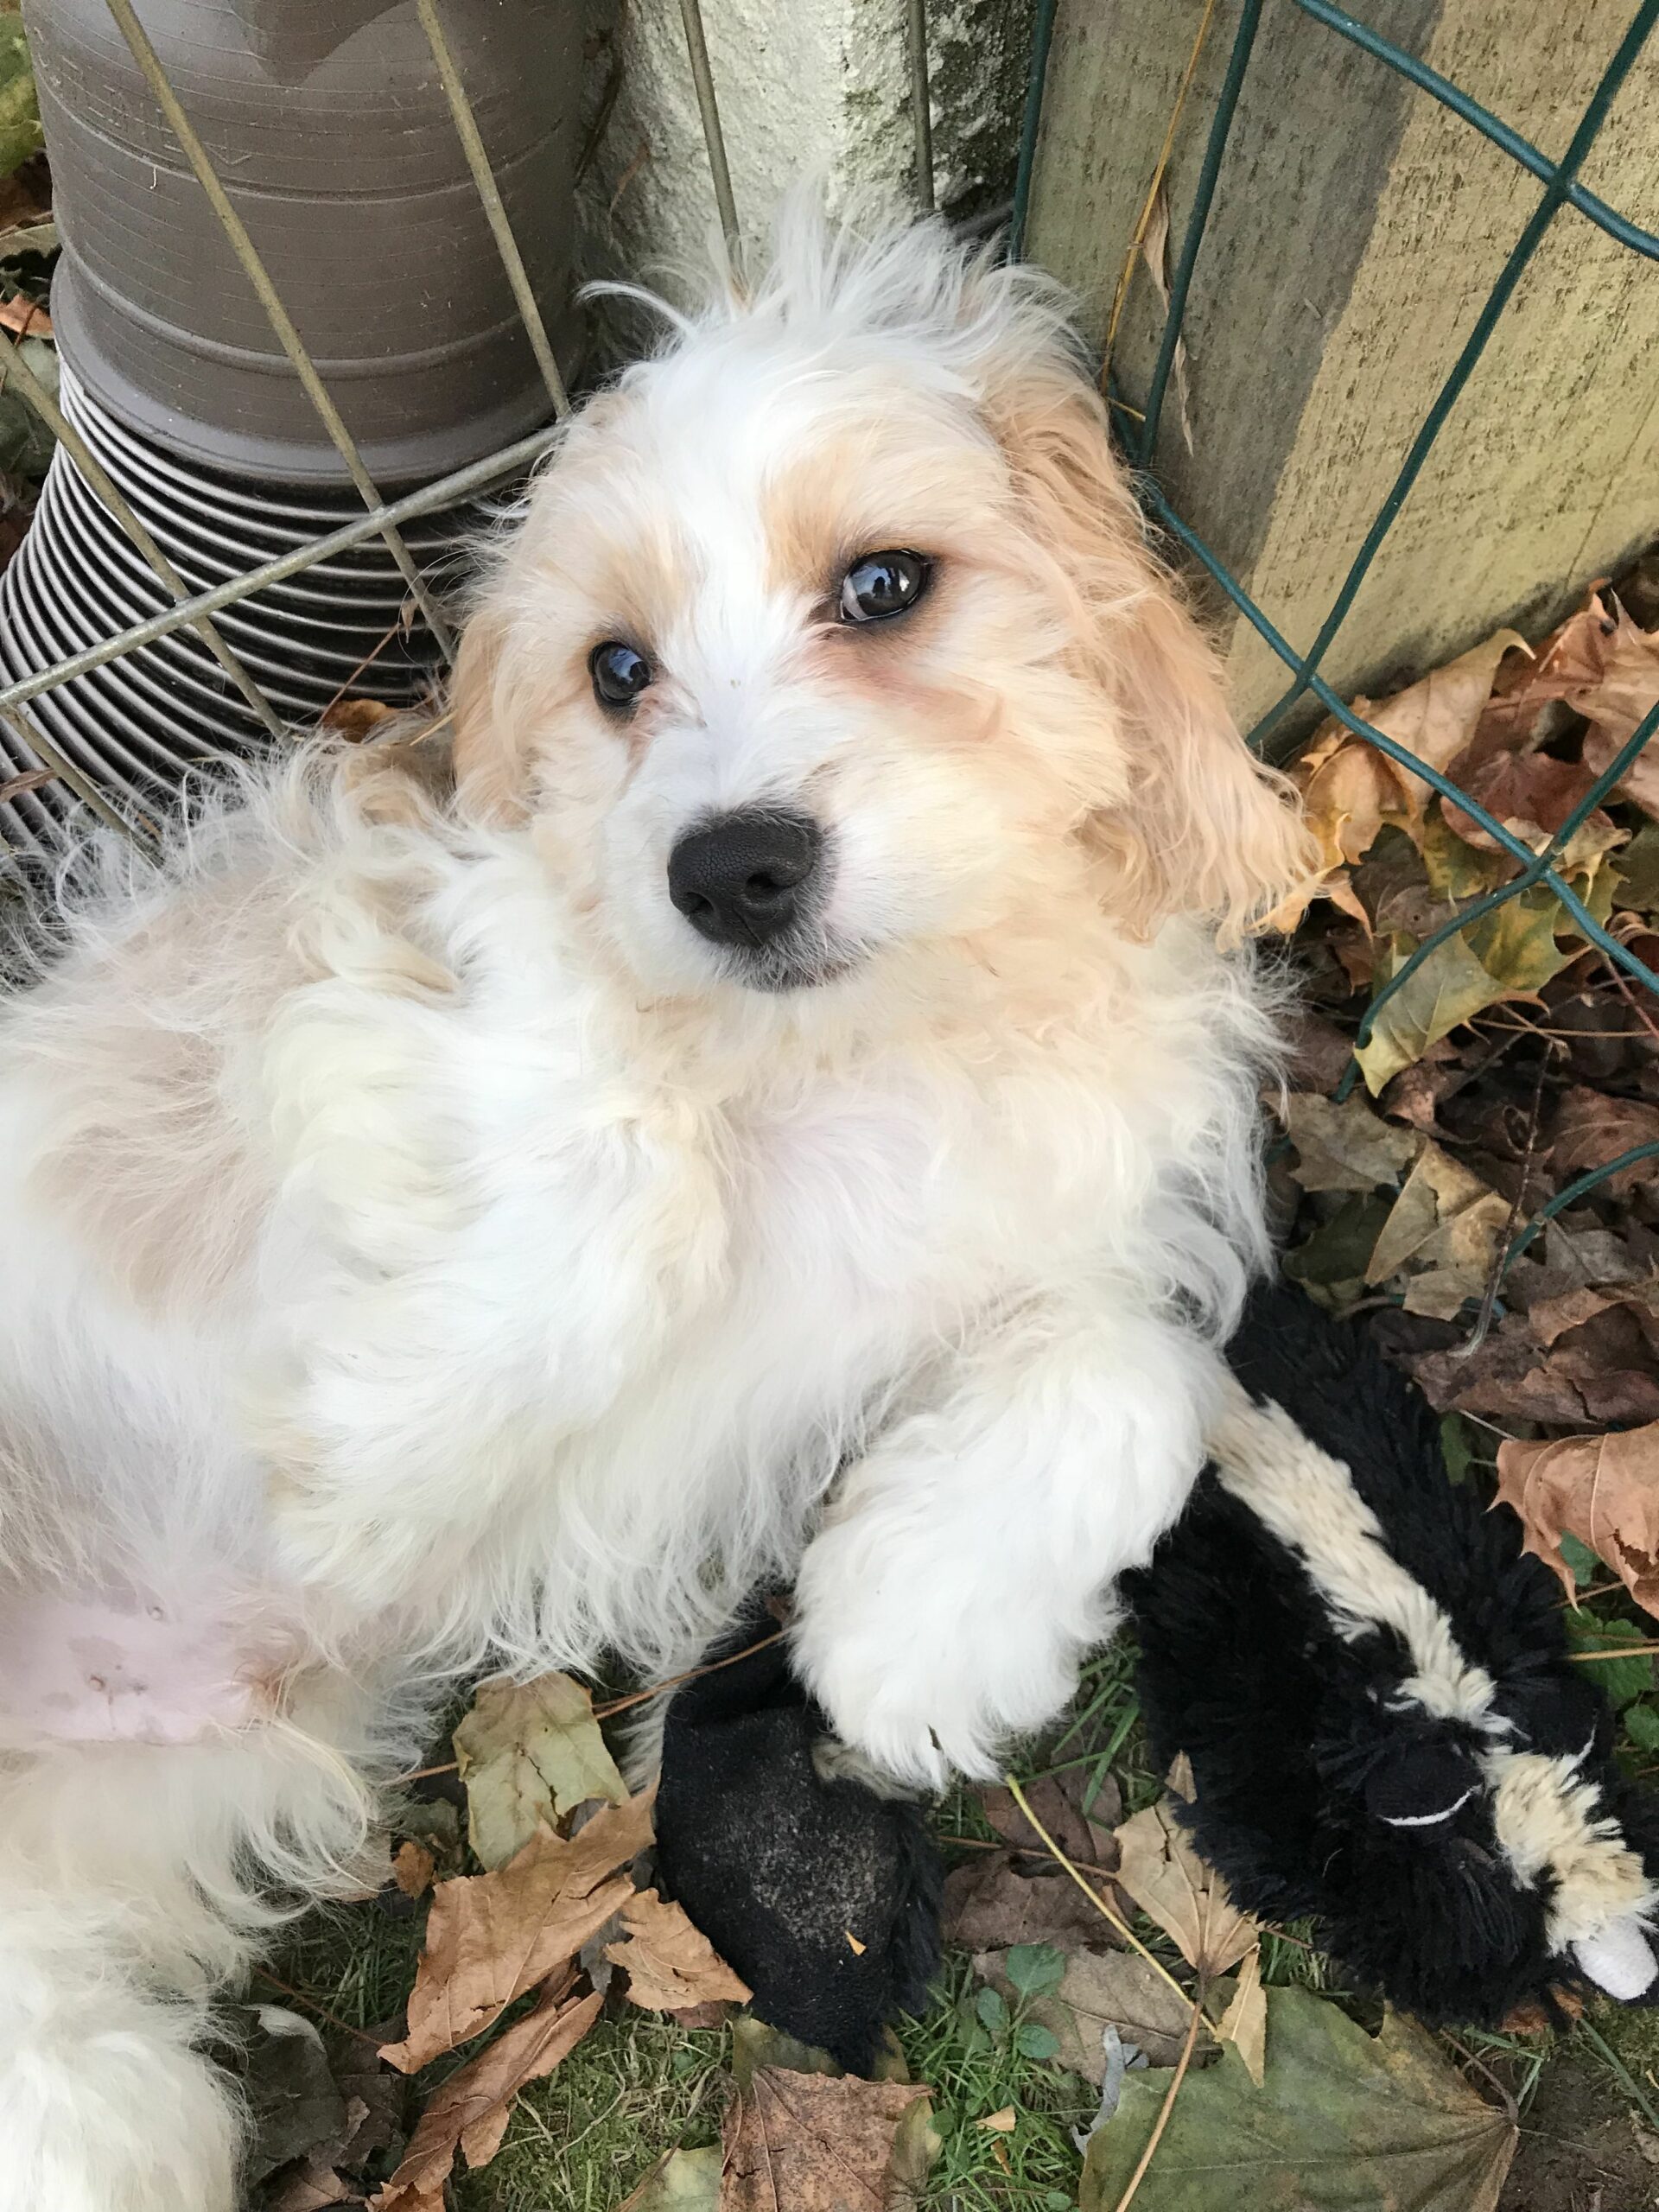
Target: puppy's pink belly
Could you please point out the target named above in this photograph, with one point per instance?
(96, 1666)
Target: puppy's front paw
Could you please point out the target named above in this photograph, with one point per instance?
(905, 1726)
(919, 1685)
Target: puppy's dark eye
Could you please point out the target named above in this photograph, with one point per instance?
(620, 674)
(880, 585)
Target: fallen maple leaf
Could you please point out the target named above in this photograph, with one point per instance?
(1445, 1226)
(1056, 1802)
(1244, 2024)
(681, 2181)
(1351, 792)
(1341, 2120)
(813, 2143)
(1551, 1318)
(997, 1901)
(413, 1867)
(469, 2111)
(1602, 1490)
(490, 1937)
(1449, 989)
(1594, 1371)
(1171, 1884)
(1532, 795)
(1347, 1146)
(1591, 1128)
(670, 1964)
(527, 1752)
(309, 2189)
(1098, 1990)
(1436, 717)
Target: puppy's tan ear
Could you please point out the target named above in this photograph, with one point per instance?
(490, 766)
(1206, 828)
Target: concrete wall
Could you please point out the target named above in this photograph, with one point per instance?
(1357, 229)
(806, 87)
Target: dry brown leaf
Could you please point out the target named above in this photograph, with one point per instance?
(813, 2143)
(469, 2111)
(1244, 2024)
(1101, 1989)
(527, 1752)
(1436, 717)
(1601, 1370)
(22, 315)
(1602, 1490)
(670, 1964)
(1640, 781)
(1445, 1226)
(1614, 685)
(999, 2123)
(1551, 1318)
(996, 1901)
(1171, 1883)
(1591, 1128)
(1351, 792)
(1155, 252)
(1531, 794)
(309, 2189)
(1086, 1839)
(490, 1937)
(1345, 1147)
(355, 719)
(1318, 1052)
(413, 1867)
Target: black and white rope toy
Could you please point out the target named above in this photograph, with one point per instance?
(1371, 1680)
(1369, 1676)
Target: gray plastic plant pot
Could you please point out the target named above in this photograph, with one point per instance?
(329, 126)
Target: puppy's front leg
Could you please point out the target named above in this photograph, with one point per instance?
(965, 1566)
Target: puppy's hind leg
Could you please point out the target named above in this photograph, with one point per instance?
(104, 2106)
(129, 1897)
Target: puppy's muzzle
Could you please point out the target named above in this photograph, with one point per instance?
(747, 878)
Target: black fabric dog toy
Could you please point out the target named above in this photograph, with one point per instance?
(1369, 1679)
(822, 1893)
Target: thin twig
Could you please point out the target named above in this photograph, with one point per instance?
(1501, 1246)
(1170, 2095)
(1144, 224)
(674, 1681)
(321, 2011)
(367, 661)
(1624, 1651)
(1470, 2059)
(1024, 1851)
(1630, 999)
(1099, 1903)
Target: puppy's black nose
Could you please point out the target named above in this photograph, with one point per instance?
(745, 877)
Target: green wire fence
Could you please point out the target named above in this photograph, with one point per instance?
(1138, 428)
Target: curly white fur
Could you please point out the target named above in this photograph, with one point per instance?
(423, 1250)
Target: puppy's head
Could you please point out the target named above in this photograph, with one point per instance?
(832, 631)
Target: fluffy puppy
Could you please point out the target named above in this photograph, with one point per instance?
(479, 1231)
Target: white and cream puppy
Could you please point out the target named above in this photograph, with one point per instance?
(792, 1109)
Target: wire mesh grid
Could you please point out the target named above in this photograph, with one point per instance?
(1139, 428)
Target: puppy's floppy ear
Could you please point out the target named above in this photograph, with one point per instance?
(489, 768)
(1206, 828)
